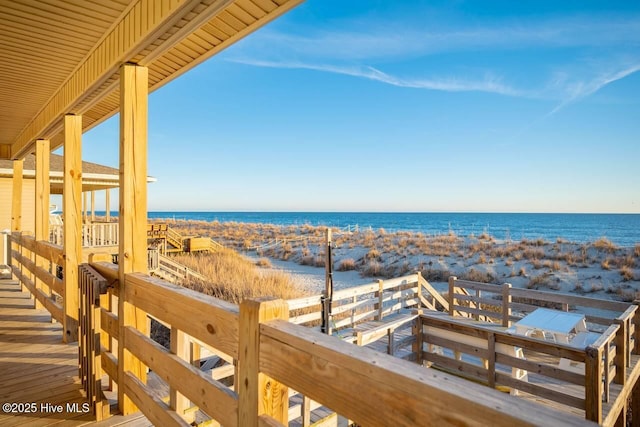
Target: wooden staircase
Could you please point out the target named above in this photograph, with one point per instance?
(175, 239)
(170, 270)
(174, 242)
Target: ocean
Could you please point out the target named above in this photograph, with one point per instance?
(622, 229)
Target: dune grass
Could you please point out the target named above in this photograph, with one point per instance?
(233, 278)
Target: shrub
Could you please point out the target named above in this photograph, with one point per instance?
(263, 262)
(432, 275)
(542, 280)
(605, 245)
(626, 273)
(347, 264)
(477, 276)
(372, 269)
(373, 254)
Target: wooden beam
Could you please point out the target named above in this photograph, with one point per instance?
(126, 39)
(16, 197)
(593, 384)
(72, 226)
(85, 207)
(177, 401)
(93, 206)
(107, 203)
(133, 213)
(42, 204)
(259, 394)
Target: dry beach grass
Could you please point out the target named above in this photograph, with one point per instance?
(600, 268)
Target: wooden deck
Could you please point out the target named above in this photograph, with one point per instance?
(37, 369)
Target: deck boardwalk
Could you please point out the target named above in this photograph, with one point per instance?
(37, 368)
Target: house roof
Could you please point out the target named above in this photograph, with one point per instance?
(64, 56)
(56, 164)
(94, 176)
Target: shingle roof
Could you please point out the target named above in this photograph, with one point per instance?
(56, 164)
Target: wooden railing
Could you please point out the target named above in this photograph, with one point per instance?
(496, 358)
(210, 323)
(174, 238)
(505, 304)
(177, 271)
(268, 356)
(42, 283)
(376, 389)
(355, 305)
(94, 234)
(91, 285)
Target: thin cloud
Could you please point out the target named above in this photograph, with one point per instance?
(582, 89)
(377, 40)
(490, 85)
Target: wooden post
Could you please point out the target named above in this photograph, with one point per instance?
(635, 405)
(93, 206)
(452, 283)
(416, 330)
(380, 298)
(85, 207)
(306, 411)
(16, 206)
(506, 305)
(107, 204)
(258, 393)
(622, 350)
(16, 197)
(593, 384)
(72, 224)
(491, 362)
(328, 284)
(180, 348)
(195, 354)
(132, 255)
(636, 336)
(43, 149)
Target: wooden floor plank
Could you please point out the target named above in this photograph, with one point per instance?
(35, 366)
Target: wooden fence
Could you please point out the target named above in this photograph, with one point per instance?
(43, 283)
(269, 355)
(91, 286)
(372, 301)
(611, 363)
(95, 234)
(504, 304)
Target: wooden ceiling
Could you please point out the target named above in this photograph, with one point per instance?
(62, 56)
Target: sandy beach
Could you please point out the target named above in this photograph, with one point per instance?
(600, 268)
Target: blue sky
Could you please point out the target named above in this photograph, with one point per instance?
(366, 105)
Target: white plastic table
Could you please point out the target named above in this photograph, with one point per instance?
(560, 324)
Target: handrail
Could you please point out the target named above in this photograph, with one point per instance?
(522, 301)
(178, 270)
(299, 358)
(386, 382)
(42, 284)
(91, 286)
(95, 234)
